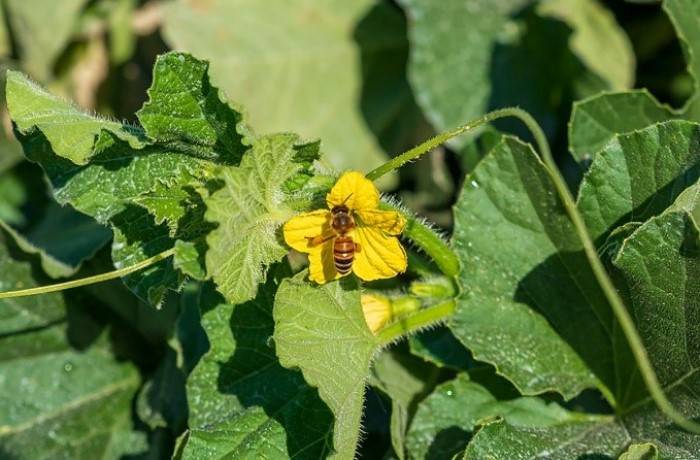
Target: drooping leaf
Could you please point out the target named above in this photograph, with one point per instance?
(445, 420)
(530, 305)
(56, 401)
(465, 56)
(243, 403)
(249, 209)
(322, 331)
(338, 74)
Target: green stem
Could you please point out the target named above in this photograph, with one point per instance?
(90, 279)
(621, 313)
(440, 139)
(416, 321)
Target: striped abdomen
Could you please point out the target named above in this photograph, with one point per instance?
(343, 253)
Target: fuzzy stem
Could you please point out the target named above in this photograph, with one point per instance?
(416, 321)
(90, 279)
(623, 316)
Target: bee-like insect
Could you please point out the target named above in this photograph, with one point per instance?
(344, 248)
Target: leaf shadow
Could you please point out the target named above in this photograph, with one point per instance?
(254, 376)
(448, 442)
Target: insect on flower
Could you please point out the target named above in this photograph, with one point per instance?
(351, 235)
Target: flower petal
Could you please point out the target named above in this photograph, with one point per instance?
(380, 256)
(321, 265)
(299, 229)
(377, 311)
(390, 222)
(355, 191)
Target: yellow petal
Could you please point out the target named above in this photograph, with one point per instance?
(377, 311)
(380, 256)
(299, 229)
(321, 266)
(390, 222)
(355, 191)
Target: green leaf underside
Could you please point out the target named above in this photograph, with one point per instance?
(442, 425)
(338, 73)
(658, 264)
(322, 331)
(145, 184)
(595, 121)
(249, 209)
(530, 306)
(56, 401)
(459, 73)
(243, 403)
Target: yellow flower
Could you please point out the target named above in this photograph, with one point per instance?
(377, 311)
(378, 254)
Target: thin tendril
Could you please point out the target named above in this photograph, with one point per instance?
(90, 279)
(621, 313)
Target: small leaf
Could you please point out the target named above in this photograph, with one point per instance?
(249, 209)
(321, 330)
(646, 451)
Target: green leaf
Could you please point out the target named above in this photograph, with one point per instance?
(63, 239)
(249, 209)
(71, 131)
(39, 46)
(575, 439)
(597, 120)
(464, 56)
(445, 419)
(440, 347)
(657, 265)
(56, 401)
(530, 305)
(243, 403)
(338, 73)
(638, 175)
(147, 185)
(184, 108)
(322, 331)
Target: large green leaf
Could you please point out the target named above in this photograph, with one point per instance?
(445, 419)
(322, 331)
(249, 210)
(56, 401)
(658, 265)
(243, 403)
(465, 55)
(530, 305)
(332, 69)
(146, 184)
